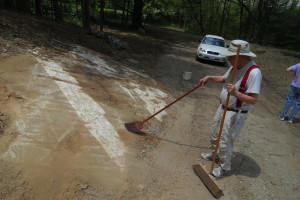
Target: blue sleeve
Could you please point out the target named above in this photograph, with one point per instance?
(296, 67)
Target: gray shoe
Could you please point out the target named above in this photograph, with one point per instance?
(290, 121)
(209, 156)
(218, 172)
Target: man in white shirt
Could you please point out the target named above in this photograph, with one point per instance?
(243, 92)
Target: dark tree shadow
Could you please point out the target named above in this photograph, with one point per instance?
(211, 62)
(244, 165)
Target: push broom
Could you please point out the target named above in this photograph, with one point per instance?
(136, 127)
(200, 171)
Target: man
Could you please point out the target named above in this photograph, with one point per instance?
(293, 95)
(242, 98)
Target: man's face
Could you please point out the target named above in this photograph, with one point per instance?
(231, 59)
(241, 61)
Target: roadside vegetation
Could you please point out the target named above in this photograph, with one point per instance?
(274, 23)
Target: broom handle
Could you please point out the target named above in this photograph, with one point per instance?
(172, 103)
(225, 109)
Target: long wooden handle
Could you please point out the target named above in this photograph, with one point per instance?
(225, 108)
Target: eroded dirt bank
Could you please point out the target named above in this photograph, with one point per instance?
(65, 97)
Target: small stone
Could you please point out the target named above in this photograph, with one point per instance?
(84, 186)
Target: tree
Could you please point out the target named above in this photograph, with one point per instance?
(85, 9)
(264, 10)
(9, 4)
(273, 22)
(223, 17)
(196, 13)
(57, 10)
(23, 5)
(137, 14)
(123, 12)
(38, 8)
(102, 5)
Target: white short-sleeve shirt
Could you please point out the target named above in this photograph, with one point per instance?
(253, 85)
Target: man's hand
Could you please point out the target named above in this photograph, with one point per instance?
(231, 89)
(203, 81)
(216, 79)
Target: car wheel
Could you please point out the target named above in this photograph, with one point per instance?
(225, 64)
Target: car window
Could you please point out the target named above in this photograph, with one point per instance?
(214, 41)
(220, 43)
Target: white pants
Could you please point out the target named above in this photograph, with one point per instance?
(233, 124)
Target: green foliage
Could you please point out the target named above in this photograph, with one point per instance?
(284, 29)
(271, 22)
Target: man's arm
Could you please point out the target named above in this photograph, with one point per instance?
(217, 79)
(250, 98)
(291, 72)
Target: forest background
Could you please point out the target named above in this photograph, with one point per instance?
(274, 23)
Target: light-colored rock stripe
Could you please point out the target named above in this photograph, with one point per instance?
(90, 112)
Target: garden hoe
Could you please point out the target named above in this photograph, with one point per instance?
(198, 168)
(136, 127)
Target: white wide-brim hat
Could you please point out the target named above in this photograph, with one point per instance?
(232, 49)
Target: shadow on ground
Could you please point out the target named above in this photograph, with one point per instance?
(213, 63)
(244, 165)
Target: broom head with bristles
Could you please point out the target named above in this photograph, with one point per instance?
(208, 181)
(134, 127)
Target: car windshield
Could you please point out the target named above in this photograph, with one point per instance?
(214, 41)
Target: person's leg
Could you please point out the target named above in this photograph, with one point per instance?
(214, 133)
(238, 121)
(214, 130)
(225, 140)
(232, 127)
(297, 105)
(289, 100)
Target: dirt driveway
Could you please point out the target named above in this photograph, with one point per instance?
(63, 110)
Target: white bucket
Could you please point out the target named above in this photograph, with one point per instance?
(187, 76)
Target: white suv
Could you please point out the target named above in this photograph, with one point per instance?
(210, 48)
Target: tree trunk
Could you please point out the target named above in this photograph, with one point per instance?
(211, 14)
(115, 8)
(199, 19)
(57, 11)
(77, 9)
(102, 4)
(38, 8)
(23, 5)
(261, 20)
(223, 17)
(137, 14)
(227, 17)
(123, 13)
(127, 12)
(85, 9)
(9, 4)
(241, 21)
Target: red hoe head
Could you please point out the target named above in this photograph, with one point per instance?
(134, 127)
